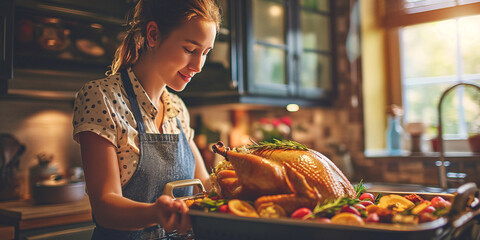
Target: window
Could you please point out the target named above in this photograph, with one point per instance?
(438, 41)
(435, 56)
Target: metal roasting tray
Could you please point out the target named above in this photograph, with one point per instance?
(457, 225)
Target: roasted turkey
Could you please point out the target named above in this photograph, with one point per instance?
(291, 177)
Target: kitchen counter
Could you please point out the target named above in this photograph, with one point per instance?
(432, 155)
(417, 168)
(7, 232)
(25, 216)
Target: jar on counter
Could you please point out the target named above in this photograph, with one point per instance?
(394, 133)
(43, 170)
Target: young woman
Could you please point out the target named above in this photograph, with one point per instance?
(134, 134)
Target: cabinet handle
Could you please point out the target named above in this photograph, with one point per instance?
(4, 34)
(233, 83)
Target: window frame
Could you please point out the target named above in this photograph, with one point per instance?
(393, 23)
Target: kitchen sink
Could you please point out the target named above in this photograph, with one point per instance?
(401, 187)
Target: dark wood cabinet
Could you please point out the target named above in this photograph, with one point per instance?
(6, 43)
(55, 46)
(280, 52)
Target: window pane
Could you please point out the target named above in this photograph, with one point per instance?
(421, 102)
(269, 22)
(269, 65)
(422, 105)
(429, 49)
(470, 43)
(468, 1)
(471, 103)
(315, 31)
(321, 5)
(315, 71)
(415, 6)
(450, 113)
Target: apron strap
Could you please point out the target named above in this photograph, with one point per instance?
(132, 97)
(179, 125)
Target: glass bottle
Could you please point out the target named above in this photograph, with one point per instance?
(394, 133)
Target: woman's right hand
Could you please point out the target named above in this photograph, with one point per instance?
(172, 214)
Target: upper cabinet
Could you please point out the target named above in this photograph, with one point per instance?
(6, 40)
(315, 44)
(219, 78)
(58, 45)
(272, 52)
(68, 35)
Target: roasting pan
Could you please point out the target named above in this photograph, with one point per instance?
(459, 224)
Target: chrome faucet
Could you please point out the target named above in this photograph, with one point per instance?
(442, 172)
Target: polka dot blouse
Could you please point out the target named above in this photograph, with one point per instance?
(102, 107)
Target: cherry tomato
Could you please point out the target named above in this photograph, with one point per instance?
(372, 218)
(428, 209)
(322, 220)
(426, 217)
(224, 208)
(350, 209)
(437, 199)
(359, 207)
(439, 202)
(367, 196)
(366, 203)
(300, 213)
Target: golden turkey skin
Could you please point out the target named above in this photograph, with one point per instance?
(291, 178)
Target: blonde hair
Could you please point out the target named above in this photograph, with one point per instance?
(168, 14)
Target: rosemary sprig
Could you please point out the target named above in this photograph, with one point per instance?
(359, 188)
(330, 208)
(278, 144)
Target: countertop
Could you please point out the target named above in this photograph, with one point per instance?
(24, 214)
(7, 232)
(407, 154)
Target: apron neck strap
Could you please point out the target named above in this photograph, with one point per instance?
(132, 97)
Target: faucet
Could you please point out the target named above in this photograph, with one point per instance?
(442, 172)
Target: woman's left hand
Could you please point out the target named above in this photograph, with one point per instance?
(172, 214)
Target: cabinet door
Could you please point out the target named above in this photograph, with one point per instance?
(268, 47)
(107, 8)
(219, 74)
(6, 44)
(315, 45)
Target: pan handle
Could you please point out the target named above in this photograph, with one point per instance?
(168, 190)
(467, 197)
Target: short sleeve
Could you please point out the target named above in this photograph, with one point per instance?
(93, 112)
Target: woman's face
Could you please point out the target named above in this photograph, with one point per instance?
(182, 54)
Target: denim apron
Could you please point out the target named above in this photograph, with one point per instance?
(163, 158)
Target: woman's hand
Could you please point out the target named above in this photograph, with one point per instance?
(172, 214)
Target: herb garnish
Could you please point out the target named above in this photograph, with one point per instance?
(330, 208)
(211, 204)
(359, 188)
(278, 144)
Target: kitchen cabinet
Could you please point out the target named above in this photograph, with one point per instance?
(6, 41)
(58, 45)
(280, 52)
(106, 8)
(219, 80)
(7, 232)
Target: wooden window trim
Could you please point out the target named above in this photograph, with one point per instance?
(402, 19)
